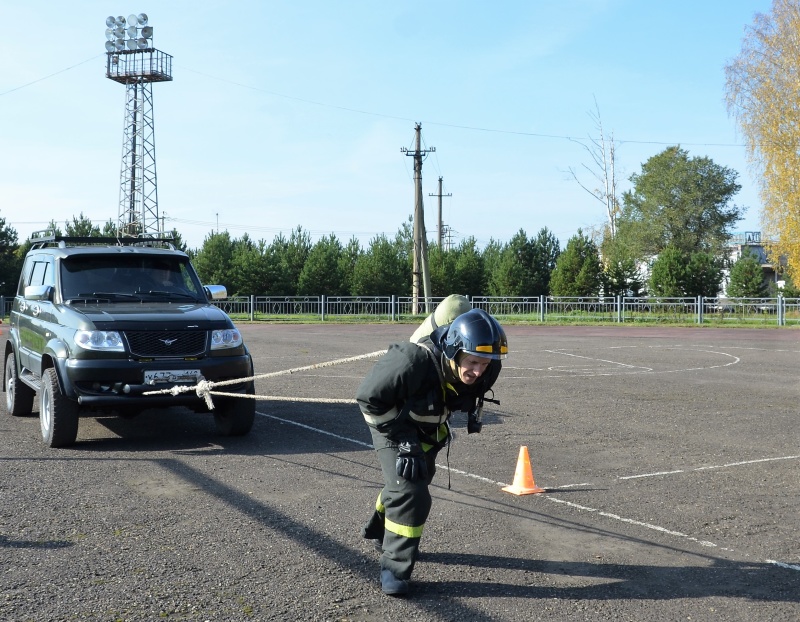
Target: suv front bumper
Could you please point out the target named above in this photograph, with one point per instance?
(108, 383)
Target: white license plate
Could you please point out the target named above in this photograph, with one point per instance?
(172, 376)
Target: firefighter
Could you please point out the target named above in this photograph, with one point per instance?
(407, 399)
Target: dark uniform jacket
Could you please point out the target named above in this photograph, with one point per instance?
(410, 393)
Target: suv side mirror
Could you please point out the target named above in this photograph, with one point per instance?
(39, 292)
(215, 292)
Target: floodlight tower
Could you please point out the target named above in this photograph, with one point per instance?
(133, 61)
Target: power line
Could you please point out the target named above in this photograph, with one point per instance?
(472, 128)
(83, 62)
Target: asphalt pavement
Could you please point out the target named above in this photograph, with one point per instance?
(669, 459)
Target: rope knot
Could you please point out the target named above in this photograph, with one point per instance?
(203, 390)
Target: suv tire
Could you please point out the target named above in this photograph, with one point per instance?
(235, 416)
(58, 416)
(19, 396)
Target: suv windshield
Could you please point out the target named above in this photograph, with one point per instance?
(119, 278)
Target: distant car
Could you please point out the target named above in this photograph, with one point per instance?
(722, 305)
(98, 322)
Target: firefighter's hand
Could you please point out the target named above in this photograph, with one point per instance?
(411, 463)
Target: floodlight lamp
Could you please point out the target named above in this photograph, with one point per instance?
(147, 32)
(142, 43)
(120, 20)
(110, 47)
(132, 20)
(119, 44)
(119, 32)
(131, 30)
(142, 19)
(110, 34)
(111, 21)
(131, 43)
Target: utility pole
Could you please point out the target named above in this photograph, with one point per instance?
(448, 236)
(420, 270)
(441, 227)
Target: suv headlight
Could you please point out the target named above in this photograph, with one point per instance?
(226, 338)
(101, 340)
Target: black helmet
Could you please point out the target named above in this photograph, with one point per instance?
(475, 332)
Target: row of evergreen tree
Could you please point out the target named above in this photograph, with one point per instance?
(523, 266)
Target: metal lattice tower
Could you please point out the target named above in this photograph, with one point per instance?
(133, 61)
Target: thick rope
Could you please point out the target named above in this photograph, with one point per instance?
(281, 398)
(204, 388)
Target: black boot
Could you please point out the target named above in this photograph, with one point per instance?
(391, 585)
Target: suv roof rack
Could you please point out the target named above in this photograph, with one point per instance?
(62, 241)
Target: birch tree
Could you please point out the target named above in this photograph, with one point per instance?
(762, 92)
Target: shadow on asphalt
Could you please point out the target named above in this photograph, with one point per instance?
(6, 543)
(276, 431)
(317, 542)
(742, 580)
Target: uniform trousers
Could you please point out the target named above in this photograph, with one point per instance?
(401, 510)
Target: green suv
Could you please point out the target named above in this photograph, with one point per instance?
(99, 322)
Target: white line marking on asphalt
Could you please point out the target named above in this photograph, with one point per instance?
(735, 360)
(472, 475)
(633, 522)
(709, 468)
(650, 474)
(579, 371)
(589, 358)
(308, 427)
(744, 348)
(782, 565)
(730, 464)
(332, 376)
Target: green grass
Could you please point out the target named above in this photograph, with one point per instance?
(575, 319)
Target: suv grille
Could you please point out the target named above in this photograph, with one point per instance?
(166, 344)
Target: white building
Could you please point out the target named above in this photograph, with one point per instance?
(739, 244)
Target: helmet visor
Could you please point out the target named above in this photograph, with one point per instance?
(497, 350)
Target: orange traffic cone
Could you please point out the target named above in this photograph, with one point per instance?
(523, 477)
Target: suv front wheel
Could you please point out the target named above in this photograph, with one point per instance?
(19, 396)
(58, 416)
(235, 416)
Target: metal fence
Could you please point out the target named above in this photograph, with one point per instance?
(621, 309)
(778, 311)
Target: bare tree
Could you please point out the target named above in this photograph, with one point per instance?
(602, 151)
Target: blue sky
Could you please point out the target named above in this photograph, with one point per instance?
(294, 113)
